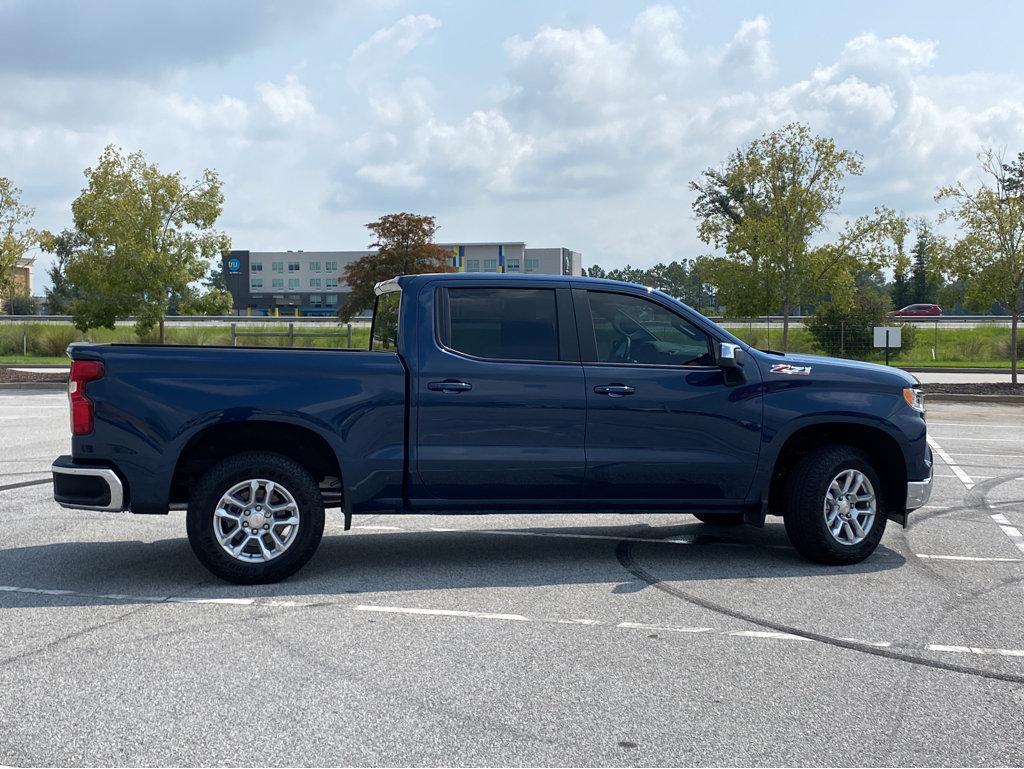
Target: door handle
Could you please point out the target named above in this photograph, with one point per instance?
(449, 386)
(614, 390)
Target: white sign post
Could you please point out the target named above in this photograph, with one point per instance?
(888, 337)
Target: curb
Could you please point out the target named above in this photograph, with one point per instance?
(34, 386)
(1010, 400)
(55, 366)
(951, 370)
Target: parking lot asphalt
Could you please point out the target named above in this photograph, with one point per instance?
(518, 640)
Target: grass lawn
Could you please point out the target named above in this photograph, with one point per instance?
(983, 347)
(35, 360)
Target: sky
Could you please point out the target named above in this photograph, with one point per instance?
(576, 124)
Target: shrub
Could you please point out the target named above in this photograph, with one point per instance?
(53, 341)
(1002, 347)
(972, 348)
(849, 333)
(10, 340)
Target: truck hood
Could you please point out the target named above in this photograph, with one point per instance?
(799, 366)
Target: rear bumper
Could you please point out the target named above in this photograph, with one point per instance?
(86, 487)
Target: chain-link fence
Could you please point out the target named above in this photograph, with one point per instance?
(924, 343)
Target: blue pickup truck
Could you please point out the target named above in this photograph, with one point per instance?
(484, 393)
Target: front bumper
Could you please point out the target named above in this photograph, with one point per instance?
(919, 492)
(86, 487)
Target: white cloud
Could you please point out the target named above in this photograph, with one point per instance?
(374, 58)
(402, 36)
(749, 54)
(586, 137)
(289, 102)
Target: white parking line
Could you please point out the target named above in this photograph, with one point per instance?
(759, 634)
(502, 617)
(444, 613)
(147, 598)
(973, 558)
(979, 440)
(965, 479)
(1009, 530)
(974, 425)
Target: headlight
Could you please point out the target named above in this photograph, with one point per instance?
(914, 398)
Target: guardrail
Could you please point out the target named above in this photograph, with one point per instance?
(777, 319)
(198, 320)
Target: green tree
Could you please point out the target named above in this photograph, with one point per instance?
(925, 284)
(21, 304)
(595, 271)
(404, 245)
(901, 291)
(61, 294)
(766, 205)
(989, 254)
(16, 236)
(148, 236)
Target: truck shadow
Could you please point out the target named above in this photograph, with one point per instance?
(376, 564)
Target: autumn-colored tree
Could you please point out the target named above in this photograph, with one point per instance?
(16, 236)
(147, 238)
(766, 206)
(404, 245)
(989, 254)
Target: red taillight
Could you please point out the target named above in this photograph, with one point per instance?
(82, 371)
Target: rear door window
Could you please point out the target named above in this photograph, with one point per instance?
(502, 323)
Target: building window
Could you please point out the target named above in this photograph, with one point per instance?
(293, 282)
(490, 265)
(332, 299)
(332, 266)
(314, 266)
(316, 299)
(277, 283)
(256, 267)
(512, 265)
(256, 283)
(294, 266)
(472, 265)
(332, 283)
(532, 265)
(314, 282)
(277, 266)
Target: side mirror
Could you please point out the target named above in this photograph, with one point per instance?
(730, 356)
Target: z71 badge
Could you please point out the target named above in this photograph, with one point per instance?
(788, 368)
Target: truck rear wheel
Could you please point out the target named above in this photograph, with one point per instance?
(255, 518)
(833, 508)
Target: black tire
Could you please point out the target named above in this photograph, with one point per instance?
(720, 519)
(804, 501)
(218, 480)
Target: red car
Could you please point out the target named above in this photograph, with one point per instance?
(919, 311)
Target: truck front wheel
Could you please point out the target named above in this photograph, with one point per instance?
(255, 517)
(833, 509)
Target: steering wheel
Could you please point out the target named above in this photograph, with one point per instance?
(627, 347)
